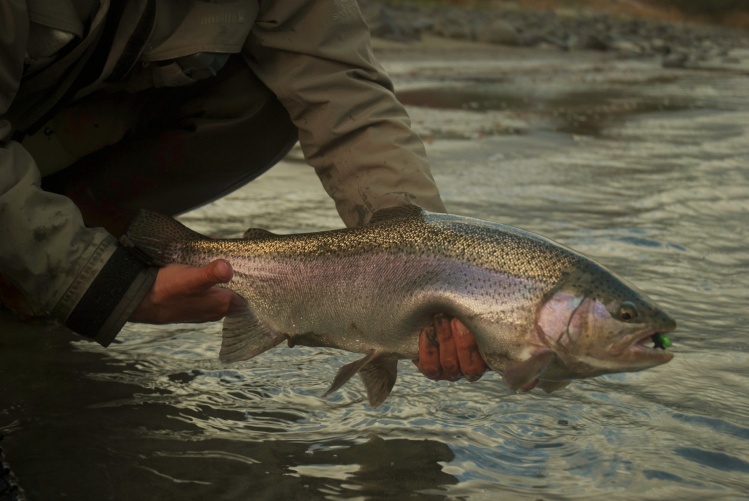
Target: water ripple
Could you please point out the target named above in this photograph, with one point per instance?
(661, 197)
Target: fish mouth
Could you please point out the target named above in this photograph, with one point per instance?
(651, 346)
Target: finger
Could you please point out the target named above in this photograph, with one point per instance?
(200, 279)
(428, 362)
(448, 353)
(219, 271)
(471, 364)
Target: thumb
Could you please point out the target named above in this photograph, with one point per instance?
(218, 272)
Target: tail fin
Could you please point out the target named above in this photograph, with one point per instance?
(156, 234)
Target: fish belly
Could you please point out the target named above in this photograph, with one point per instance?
(379, 301)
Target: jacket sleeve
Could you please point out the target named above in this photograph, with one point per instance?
(316, 57)
(81, 276)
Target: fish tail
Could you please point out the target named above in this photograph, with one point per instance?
(156, 235)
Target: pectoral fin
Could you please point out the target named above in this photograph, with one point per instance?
(552, 386)
(377, 373)
(347, 372)
(524, 375)
(245, 336)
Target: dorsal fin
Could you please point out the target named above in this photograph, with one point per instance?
(154, 235)
(257, 233)
(390, 213)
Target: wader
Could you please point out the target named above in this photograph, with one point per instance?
(202, 126)
(180, 148)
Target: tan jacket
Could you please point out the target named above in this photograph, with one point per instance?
(314, 55)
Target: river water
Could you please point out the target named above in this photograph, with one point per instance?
(644, 169)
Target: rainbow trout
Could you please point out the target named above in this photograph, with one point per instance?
(541, 313)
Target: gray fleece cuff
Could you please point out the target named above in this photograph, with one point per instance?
(112, 297)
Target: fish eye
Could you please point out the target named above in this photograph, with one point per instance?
(628, 312)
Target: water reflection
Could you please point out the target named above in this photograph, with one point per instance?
(298, 470)
(127, 436)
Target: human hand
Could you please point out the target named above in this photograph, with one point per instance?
(447, 350)
(185, 293)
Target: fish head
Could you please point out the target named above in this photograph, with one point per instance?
(597, 324)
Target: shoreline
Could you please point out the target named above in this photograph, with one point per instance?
(676, 44)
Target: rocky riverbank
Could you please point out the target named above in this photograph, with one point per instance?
(677, 44)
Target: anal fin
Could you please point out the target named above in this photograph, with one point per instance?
(245, 336)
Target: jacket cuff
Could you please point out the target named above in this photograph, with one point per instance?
(112, 297)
